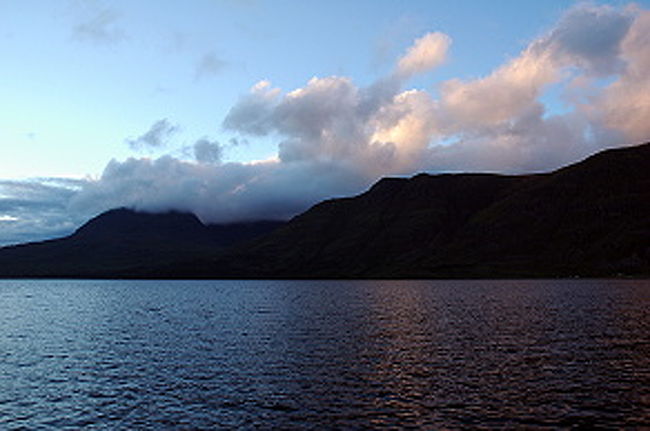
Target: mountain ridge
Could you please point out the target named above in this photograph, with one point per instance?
(588, 219)
(489, 225)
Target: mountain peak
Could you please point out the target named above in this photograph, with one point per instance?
(124, 221)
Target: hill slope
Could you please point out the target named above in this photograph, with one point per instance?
(589, 219)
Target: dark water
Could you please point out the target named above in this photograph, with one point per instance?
(324, 354)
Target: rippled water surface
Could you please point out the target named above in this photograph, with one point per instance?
(324, 354)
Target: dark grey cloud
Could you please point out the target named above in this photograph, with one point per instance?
(156, 137)
(591, 37)
(206, 151)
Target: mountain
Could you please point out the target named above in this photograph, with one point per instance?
(588, 219)
(121, 241)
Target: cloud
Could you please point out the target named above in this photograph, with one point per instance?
(330, 120)
(625, 103)
(587, 40)
(590, 37)
(156, 137)
(238, 142)
(250, 114)
(216, 193)
(335, 137)
(206, 151)
(489, 101)
(427, 52)
(98, 24)
(38, 209)
(209, 65)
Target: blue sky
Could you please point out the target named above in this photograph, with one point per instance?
(81, 77)
(149, 104)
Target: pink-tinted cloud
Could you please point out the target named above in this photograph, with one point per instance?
(426, 53)
(336, 138)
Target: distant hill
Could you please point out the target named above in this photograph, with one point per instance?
(121, 241)
(589, 219)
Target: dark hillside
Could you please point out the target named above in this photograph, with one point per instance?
(120, 242)
(590, 219)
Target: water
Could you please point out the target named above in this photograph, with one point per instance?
(324, 354)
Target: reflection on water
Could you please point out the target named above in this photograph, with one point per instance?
(324, 354)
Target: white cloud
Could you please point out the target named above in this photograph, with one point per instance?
(336, 138)
(586, 40)
(498, 97)
(224, 193)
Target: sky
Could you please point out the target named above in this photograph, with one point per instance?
(248, 109)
